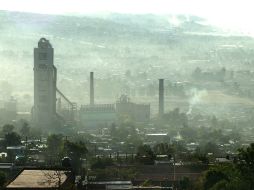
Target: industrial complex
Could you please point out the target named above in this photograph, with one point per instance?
(53, 108)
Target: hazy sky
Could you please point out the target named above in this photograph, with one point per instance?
(235, 14)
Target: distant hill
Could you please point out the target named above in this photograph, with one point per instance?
(110, 44)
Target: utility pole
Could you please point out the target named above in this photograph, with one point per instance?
(174, 174)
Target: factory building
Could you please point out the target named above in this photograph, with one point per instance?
(104, 115)
(137, 112)
(97, 115)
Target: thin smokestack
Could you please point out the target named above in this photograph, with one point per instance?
(161, 97)
(91, 89)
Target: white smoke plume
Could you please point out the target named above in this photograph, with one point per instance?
(195, 98)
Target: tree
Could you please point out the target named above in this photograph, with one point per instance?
(2, 178)
(164, 149)
(8, 128)
(246, 164)
(55, 146)
(203, 158)
(185, 183)
(211, 147)
(12, 139)
(214, 176)
(57, 180)
(224, 177)
(55, 142)
(101, 163)
(25, 129)
(236, 176)
(76, 150)
(145, 155)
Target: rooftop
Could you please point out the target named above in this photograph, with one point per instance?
(32, 178)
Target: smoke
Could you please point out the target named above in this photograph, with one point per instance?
(174, 21)
(178, 137)
(196, 97)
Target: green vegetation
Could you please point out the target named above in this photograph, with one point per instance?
(12, 139)
(2, 179)
(7, 128)
(236, 176)
(145, 155)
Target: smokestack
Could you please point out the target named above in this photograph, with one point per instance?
(161, 97)
(91, 89)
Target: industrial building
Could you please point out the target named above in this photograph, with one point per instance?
(44, 112)
(101, 115)
(52, 108)
(95, 115)
(104, 115)
(137, 112)
(45, 76)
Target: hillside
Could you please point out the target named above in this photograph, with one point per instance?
(158, 45)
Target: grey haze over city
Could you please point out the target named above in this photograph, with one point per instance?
(121, 94)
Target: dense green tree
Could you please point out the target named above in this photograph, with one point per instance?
(236, 176)
(210, 147)
(213, 176)
(8, 128)
(25, 130)
(55, 142)
(203, 158)
(55, 146)
(164, 149)
(101, 163)
(76, 151)
(185, 184)
(2, 179)
(12, 139)
(145, 154)
(225, 177)
(246, 164)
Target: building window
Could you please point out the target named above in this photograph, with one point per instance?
(43, 56)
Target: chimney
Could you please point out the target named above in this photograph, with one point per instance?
(161, 97)
(91, 89)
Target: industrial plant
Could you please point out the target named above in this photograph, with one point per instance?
(52, 108)
(45, 113)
